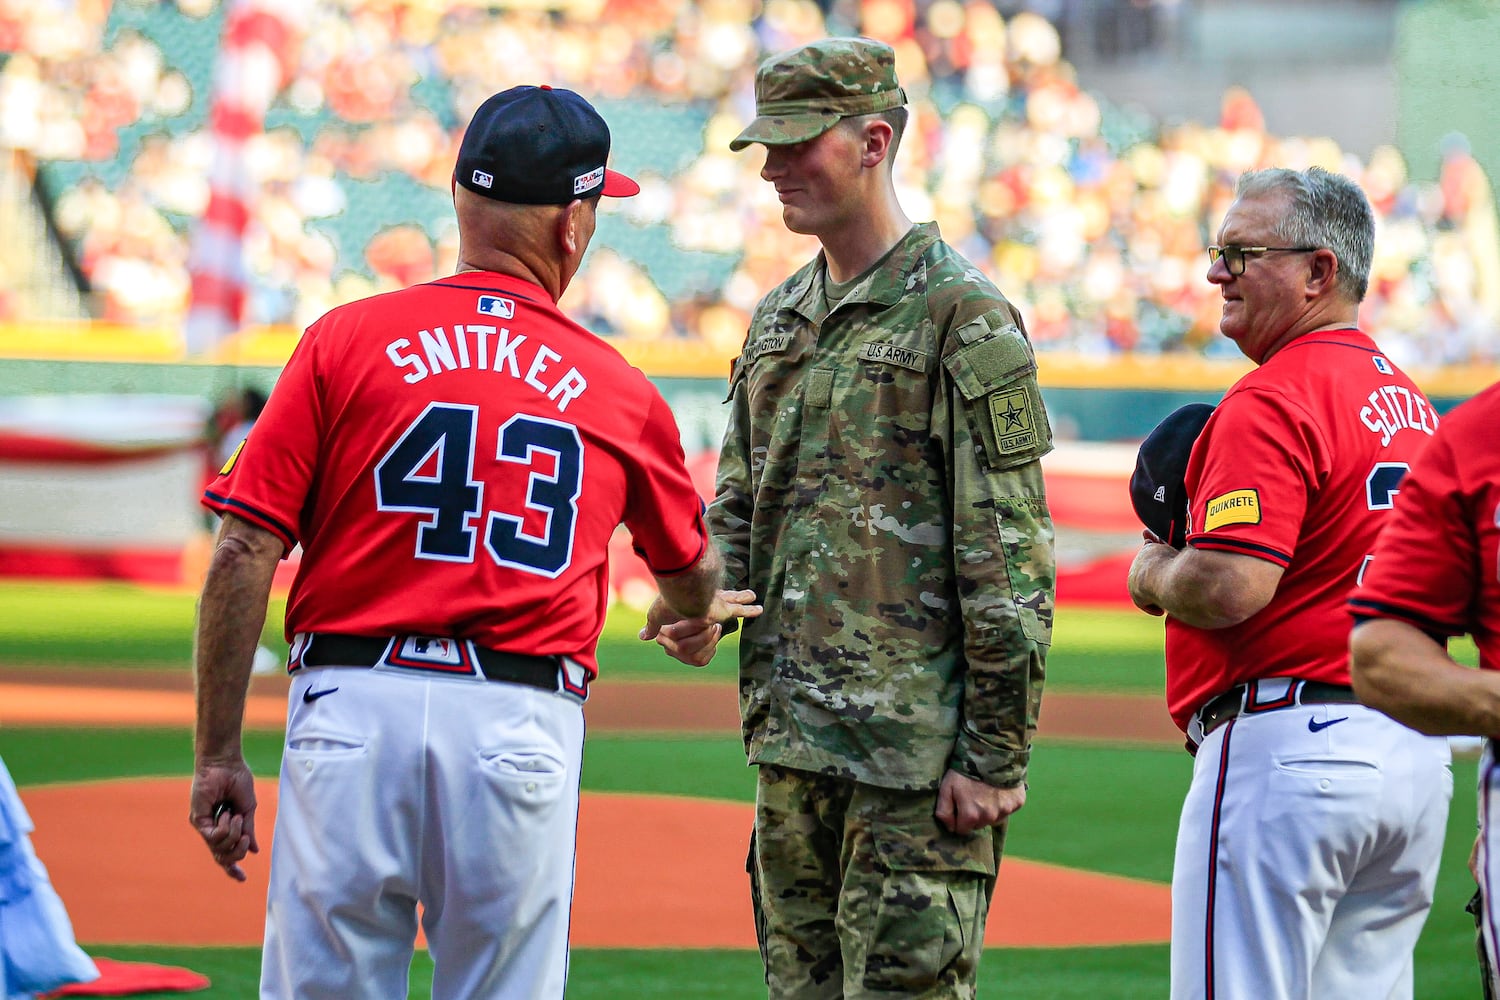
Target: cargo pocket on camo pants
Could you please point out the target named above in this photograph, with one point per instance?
(928, 910)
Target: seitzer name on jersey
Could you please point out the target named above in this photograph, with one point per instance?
(1394, 407)
(487, 348)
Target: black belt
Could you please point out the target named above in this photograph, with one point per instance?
(465, 658)
(1220, 709)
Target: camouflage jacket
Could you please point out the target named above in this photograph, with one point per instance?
(879, 489)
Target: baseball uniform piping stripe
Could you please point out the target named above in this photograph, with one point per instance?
(483, 288)
(702, 546)
(1335, 343)
(1379, 609)
(1213, 866)
(1235, 545)
(286, 534)
(573, 872)
(1491, 919)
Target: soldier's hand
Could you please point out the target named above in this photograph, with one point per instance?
(733, 604)
(965, 805)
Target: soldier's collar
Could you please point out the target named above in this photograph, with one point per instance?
(885, 285)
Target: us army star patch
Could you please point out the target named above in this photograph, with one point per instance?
(1010, 411)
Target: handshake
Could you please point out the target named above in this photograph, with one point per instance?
(694, 640)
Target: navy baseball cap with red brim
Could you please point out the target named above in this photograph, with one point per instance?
(538, 146)
(1157, 488)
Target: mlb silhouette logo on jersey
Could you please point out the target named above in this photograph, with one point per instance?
(494, 305)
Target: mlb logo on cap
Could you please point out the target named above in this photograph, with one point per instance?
(483, 179)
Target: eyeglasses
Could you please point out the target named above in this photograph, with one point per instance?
(1234, 257)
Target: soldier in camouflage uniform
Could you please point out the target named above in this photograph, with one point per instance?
(879, 484)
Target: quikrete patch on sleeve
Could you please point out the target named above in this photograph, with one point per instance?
(1015, 425)
(233, 458)
(1234, 507)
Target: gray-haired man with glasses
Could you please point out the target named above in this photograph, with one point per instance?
(1234, 257)
(1309, 840)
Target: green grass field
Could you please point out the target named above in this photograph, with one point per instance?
(1102, 808)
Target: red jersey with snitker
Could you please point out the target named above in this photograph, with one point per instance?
(453, 459)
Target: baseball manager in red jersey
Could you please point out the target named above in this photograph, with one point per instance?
(1310, 837)
(1436, 574)
(453, 459)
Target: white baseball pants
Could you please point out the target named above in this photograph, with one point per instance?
(399, 788)
(1488, 860)
(1306, 856)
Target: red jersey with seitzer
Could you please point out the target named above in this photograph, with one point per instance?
(1297, 465)
(1437, 565)
(453, 459)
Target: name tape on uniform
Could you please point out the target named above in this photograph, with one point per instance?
(894, 354)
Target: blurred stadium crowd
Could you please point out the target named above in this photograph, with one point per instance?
(1092, 218)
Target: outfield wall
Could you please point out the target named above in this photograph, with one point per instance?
(100, 486)
(80, 497)
(1088, 399)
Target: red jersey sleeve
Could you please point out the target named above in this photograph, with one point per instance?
(663, 509)
(1250, 476)
(1424, 569)
(271, 490)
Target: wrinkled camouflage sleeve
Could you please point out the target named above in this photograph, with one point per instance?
(728, 516)
(1003, 542)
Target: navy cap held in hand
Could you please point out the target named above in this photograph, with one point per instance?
(538, 146)
(1157, 491)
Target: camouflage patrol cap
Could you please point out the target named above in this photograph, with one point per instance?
(803, 93)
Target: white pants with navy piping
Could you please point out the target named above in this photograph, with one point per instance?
(1306, 856)
(1488, 859)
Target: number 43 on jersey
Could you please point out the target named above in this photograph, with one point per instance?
(430, 470)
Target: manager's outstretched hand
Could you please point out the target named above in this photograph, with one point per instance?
(229, 832)
(695, 640)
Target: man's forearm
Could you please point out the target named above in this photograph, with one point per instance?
(691, 594)
(1401, 671)
(1204, 589)
(231, 614)
(1002, 701)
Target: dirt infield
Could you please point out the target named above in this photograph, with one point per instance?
(653, 871)
(37, 697)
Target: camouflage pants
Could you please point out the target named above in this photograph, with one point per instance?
(860, 892)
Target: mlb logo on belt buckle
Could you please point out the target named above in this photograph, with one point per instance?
(427, 652)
